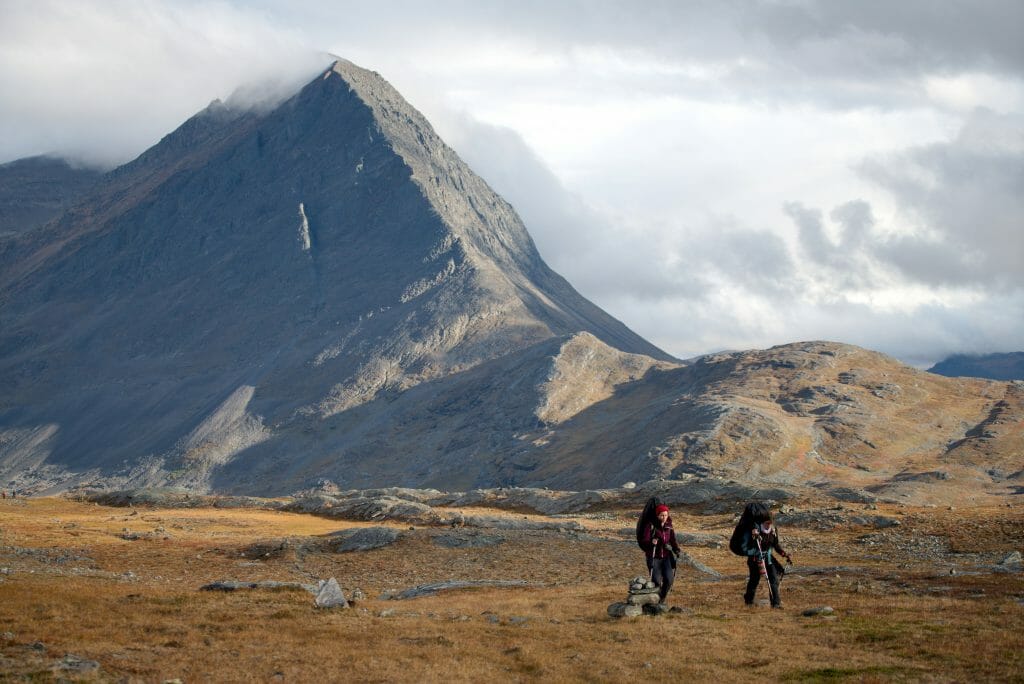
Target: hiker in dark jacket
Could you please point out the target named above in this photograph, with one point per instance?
(661, 549)
(758, 546)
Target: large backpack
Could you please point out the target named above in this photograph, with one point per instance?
(753, 513)
(647, 518)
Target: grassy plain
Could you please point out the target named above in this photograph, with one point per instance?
(74, 589)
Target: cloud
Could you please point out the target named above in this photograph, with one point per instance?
(102, 81)
(963, 204)
(717, 175)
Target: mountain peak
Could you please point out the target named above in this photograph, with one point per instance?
(260, 276)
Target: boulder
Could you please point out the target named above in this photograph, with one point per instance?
(1012, 562)
(435, 587)
(234, 585)
(73, 665)
(645, 599)
(619, 610)
(329, 595)
(687, 559)
(820, 610)
(366, 539)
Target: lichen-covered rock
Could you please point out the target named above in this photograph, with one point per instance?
(367, 539)
(330, 595)
(619, 610)
(643, 599)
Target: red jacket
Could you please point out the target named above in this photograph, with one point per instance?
(666, 537)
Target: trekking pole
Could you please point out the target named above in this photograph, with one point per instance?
(654, 556)
(764, 568)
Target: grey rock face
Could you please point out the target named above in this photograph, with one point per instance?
(367, 539)
(330, 595)
(267, 284)
(830, 519)
(33, 191)
(74, 665)
(624, 610)
(820, 610)
(234, 585)
(1012, 562)
(643, 599)
(435, 587)
(687, 559)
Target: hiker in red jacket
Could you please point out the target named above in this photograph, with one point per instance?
(661, 549)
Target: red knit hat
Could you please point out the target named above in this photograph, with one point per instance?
(660, 508)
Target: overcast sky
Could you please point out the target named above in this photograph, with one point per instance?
(717, 175)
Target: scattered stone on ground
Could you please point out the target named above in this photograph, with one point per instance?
(233, 585)
(1012, 562)
(435, 587)
(830, 519)
(820, 610)
(712, 541)
(366, 539)
(129, 535)
(500, 523)
(330, 595)
(72, 664)
(467, 539)
(618, 610)
(368, 508)
(686, 558)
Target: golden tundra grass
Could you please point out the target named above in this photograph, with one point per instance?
(67, 591)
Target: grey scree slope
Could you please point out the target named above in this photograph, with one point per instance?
(263, 299)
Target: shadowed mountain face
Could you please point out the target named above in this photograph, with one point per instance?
(325, 291)
(255, 274)
(34, 190)
(992, 366)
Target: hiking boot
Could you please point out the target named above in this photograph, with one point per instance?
(777, 605)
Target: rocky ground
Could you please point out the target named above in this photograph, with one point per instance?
(426, 586)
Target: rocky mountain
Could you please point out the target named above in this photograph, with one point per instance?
(253, 276)
(35, 190)
(992, 366)
(266, 301)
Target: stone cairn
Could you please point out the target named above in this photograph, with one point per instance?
(642, 598)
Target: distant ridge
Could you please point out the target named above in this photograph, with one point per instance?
(1009, 366)
(37, 189)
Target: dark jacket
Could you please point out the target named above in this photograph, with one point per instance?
(768, 542)
(666, 537)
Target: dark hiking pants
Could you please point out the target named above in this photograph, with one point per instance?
(755, 579)
(662, 574)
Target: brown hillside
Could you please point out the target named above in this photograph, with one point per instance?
(817, 414)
